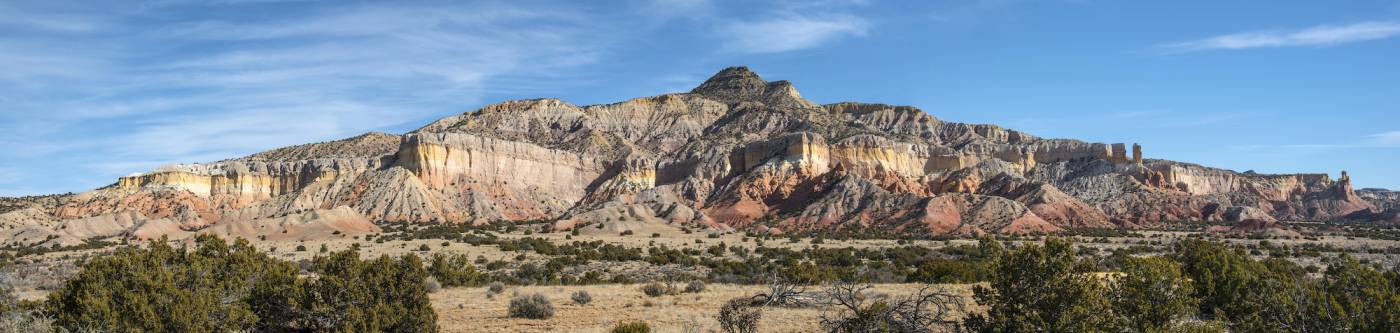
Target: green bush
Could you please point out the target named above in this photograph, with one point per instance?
(632, 327)
(218, 287)
(1036, 288)
(454, 270)
(1152, 294)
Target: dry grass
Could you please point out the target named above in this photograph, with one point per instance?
(468, 309)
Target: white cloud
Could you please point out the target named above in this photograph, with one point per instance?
(1326, 35)
(788, 32)
(1391, 138)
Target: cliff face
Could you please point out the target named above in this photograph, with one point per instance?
(736, 152)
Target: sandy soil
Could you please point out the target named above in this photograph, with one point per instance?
(470, 310)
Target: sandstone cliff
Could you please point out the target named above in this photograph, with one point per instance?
(737, 152)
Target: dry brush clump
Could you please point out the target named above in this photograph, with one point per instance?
(431, 284)
(581, 297)
(855, 309)
(786, 294)
(656, 289)
(532, 306)
(695, 286)
(739, 316)
(27, 322)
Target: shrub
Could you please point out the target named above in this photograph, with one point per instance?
(28, 322)
(695, 286)
(581, 297)
(1152, 294)
(737, 316)
(454, 270)
(301, 248)
(220, 287)
(1036, 288)
(496, 288)
(431, 284)
(1198, 327)
(8, 301)
(532, 306)
(632, 327)
(424, 248)
(655, 289)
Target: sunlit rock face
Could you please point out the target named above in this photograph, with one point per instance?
(737, 152)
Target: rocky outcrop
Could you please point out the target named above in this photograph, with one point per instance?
(736, 152)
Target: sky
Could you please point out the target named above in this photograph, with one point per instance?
(94, 90)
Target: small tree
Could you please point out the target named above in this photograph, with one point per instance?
(454, 270)
(1152, 294)
(1036, 288)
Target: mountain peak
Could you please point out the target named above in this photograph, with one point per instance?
(738, 80)
(739, 83)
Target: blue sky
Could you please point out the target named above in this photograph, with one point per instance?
(91, 91)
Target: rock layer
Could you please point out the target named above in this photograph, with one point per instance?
(737, 152)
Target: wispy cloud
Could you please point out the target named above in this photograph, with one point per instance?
(790, 32)
(145, 89)
(1389, 139)
(92, 92)
(1326, 35)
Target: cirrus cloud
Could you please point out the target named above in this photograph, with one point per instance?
(1326, 35)
(790, 32)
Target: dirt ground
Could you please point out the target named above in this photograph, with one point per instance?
(470, 310)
